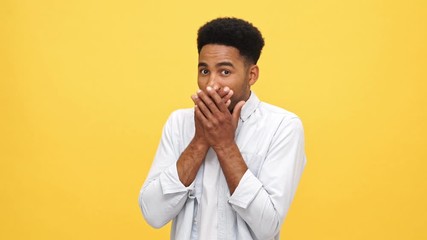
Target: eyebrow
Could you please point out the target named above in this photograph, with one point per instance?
(220, 64)
(202, 64)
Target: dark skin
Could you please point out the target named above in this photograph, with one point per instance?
(225, 78)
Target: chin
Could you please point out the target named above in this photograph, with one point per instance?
(231, 107)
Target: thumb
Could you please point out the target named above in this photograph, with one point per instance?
(236, 111)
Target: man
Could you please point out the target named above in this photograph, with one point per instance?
(229, 168)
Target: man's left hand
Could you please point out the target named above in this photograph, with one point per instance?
(219, 125)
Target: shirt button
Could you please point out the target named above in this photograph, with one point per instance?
(191, 195)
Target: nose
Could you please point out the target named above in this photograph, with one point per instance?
(213, 82)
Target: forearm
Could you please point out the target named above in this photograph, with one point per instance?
(264, 200)
(190, 161)
(164, 193)
(162, 199)
(255, 205)
(232, 164)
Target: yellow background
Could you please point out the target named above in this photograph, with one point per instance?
(86, 86)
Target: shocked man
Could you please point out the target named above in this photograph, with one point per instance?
(229, 167)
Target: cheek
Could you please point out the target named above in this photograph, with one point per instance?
(240, 91)
(239, 87)
(200, 84)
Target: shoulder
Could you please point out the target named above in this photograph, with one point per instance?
(180, 118)
(287, 125)
(182, 113)
(274, 112)
(283, 122)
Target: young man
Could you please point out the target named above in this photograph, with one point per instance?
(229, 168)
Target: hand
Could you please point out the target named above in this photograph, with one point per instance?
(213, 118)
(199, 136)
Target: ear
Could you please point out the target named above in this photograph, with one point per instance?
(253, 74)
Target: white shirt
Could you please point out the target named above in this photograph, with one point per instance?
(271, 141)
(209, 204)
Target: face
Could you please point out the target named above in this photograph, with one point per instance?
(222, 66)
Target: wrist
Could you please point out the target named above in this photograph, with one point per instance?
(199, 144)
(226, 148)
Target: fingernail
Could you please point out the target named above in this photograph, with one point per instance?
(226, 89)
(209, 88)
(199, 91)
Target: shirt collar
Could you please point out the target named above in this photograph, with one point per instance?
(250, 106)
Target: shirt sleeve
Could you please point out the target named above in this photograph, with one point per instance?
(163, 195)
(263, 201)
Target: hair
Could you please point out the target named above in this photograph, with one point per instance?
(232, 32)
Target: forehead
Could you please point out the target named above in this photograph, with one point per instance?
(214, 53)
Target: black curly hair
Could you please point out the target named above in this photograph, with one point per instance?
(232, 32)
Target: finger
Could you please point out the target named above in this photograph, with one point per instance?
(194, 97)
(201, 105)
(199, 115)
(223, 91)
(208, 102)
(236, 111)
(219, 103)
(228, 96)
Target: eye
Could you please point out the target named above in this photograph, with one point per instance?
(204, 72)
(225, 72)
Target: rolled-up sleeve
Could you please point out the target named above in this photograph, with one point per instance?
(163, 195)
(263, 201)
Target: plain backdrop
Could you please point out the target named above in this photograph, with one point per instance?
(86, 86)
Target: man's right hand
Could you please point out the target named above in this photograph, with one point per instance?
(199, 137)
(190, 160)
